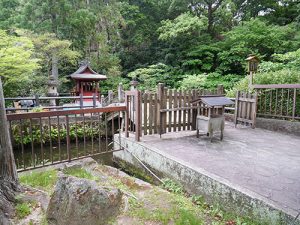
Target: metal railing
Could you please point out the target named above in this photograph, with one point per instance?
(46, 138)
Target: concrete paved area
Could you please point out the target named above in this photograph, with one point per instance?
(264, 162)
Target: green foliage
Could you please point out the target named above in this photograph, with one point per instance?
(201, 58)
(184, 25)
(254, 36)
(152, 75)
(16, 62)
(45, 179)
(87, 129)
(209, 81)
(157, 41)
(171, 186)
(23, 210)
(79, 172)
(188, 218)
(284, 76)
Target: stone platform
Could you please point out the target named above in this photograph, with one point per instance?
(252, 171)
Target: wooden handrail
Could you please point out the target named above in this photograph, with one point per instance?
(32, 115)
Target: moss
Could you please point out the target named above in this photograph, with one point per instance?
(44, 180)
(79, 172)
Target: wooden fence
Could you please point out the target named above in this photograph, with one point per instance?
(280, 101)
(245, 108)
(170, 110)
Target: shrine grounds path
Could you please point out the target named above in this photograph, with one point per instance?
(262, 164)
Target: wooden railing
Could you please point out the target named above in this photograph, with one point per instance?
(46, 138)
(281, 101)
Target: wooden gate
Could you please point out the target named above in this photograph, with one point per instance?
(245, 108)
(133, 113)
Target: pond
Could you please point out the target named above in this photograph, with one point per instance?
(42, 156)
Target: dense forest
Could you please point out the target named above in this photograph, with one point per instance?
(184, 43)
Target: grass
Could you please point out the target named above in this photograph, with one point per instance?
(23, 209)
(79, 172)
(44, 180)
(165, 208)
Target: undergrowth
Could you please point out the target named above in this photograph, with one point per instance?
(44, 179)
(23, 209)
(79, 172)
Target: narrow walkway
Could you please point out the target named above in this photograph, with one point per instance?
(264, 162)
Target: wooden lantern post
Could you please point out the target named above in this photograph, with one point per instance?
(253, 62)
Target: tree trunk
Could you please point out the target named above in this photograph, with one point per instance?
(210, 20)
(55, 66)
(54, 72)
(8, 173)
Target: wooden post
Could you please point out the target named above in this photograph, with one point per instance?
(194, 111)
(126, 116)
(236, 113)
(161, 92)
(294, 104)
(138, 116)
(254, 109)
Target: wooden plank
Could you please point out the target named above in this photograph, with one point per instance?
(127, 116)
(254, 109)
(273, 86)
(151, 113)
(175, 112)
(164, 114)
(179, 111)
(63, 113)
(138, 115)
(184, 110)
(248, 108)
(236, 111)
(145, 113)
(170, 102)
(189, 110)
(294, 103)
(155, 113)
(194, 111)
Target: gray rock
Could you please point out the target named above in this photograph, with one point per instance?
(80, 201)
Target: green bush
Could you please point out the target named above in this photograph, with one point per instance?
(209, 81)
(283, 76)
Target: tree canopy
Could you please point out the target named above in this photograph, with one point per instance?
(154, 40)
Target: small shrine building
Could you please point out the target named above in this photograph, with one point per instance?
(87, 82)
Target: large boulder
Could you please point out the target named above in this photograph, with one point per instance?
(80, 201)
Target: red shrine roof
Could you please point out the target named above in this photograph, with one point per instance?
(85, 72)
